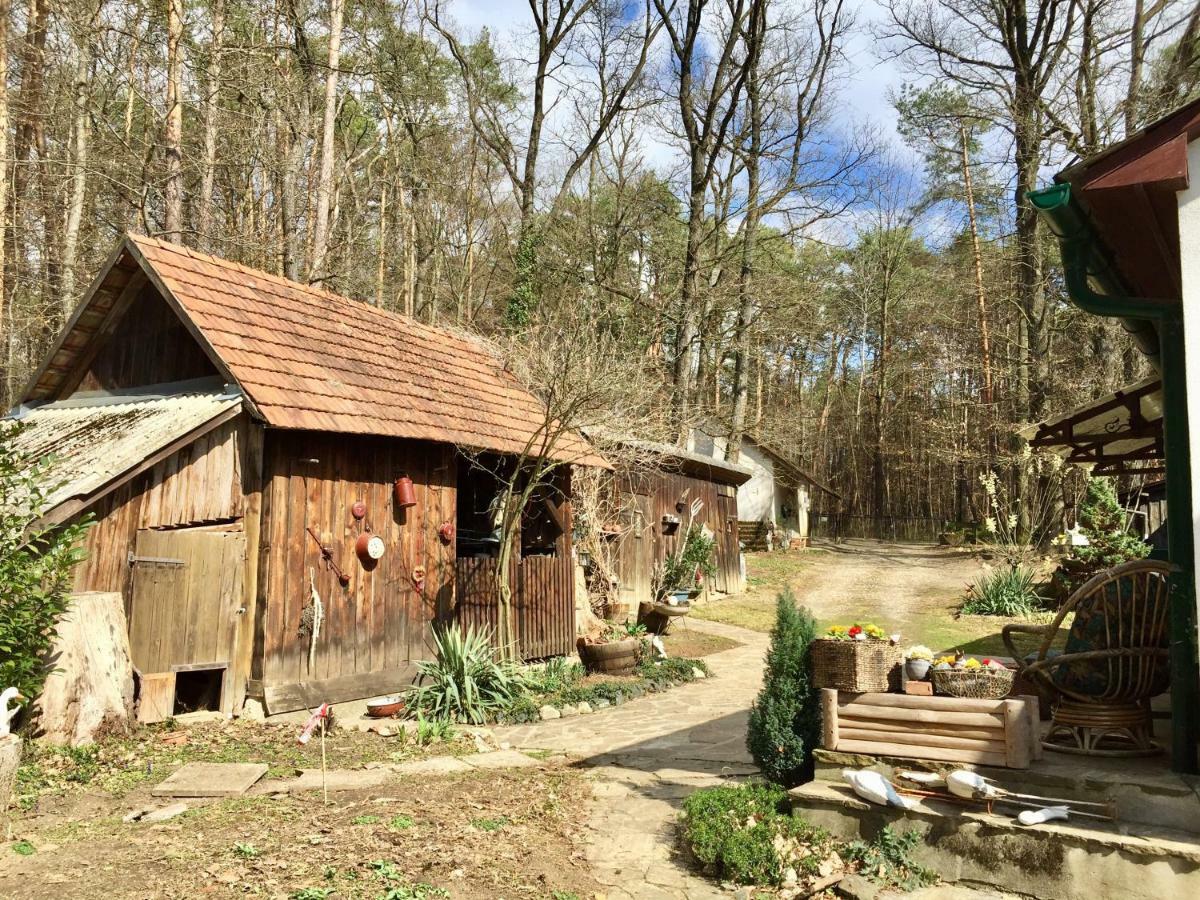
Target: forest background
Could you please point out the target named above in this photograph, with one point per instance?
(690, 178)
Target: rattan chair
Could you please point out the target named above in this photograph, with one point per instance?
(1114, 660)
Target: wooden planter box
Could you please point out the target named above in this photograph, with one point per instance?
(611, 658)
(856, 665)
(945, 729)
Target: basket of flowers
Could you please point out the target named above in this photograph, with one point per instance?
(859, 658)
(971, 679)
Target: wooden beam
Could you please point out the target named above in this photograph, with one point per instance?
(279, 698)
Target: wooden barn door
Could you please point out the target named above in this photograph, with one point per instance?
(184, 609)
(729, 574)
(636, 552)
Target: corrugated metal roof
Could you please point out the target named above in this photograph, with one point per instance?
(91, 440)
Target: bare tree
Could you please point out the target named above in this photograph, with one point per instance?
(173, 136)
(320, 236)
(212, 105)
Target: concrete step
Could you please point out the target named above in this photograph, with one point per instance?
(1076, 860)
(1143, 791)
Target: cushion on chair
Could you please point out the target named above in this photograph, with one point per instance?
(1107, 620)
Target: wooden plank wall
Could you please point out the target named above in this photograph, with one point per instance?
(379, 623)
(543, 593)
(151, 346)
(659, 493)
(201, 483)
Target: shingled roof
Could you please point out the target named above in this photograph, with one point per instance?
(310, 359)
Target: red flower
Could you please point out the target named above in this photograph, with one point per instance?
(987, 662)
(855, 630)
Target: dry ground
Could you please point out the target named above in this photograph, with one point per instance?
(478, 834)
(910, 589)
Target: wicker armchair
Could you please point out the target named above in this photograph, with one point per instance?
(1113, 662)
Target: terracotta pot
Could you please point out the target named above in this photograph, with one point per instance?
(385, 707)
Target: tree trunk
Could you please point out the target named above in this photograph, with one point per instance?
(6, 322)
(173, 221)
(337, 10)
(211, 107)
(79, 163)
(985, 342)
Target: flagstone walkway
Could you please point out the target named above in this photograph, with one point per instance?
(646, 756)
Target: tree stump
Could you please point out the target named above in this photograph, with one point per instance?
(90, 691)
(10, 759)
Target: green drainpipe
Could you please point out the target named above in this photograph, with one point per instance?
(1096, 288)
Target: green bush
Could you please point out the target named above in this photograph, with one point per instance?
(464, 682)
(677, 572)
(888, 859)
(1007, 591)
(735, 831)
(785, 720)
(1103, 523)
(35, 568)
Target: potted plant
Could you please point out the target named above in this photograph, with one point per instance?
(953, 534)
(683, 572)
(616, 650)
(917, 660)
(859, 658)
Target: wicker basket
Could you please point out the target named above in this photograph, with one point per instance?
(973, 684)
(856, 666)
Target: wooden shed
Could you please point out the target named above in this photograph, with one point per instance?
(237, 438)
(655, 505)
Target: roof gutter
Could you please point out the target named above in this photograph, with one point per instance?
(1092, 282)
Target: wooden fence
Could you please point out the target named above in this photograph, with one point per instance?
(900, 529)
(543, 602)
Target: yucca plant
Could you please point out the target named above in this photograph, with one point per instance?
(464, 682)
(1007, 591)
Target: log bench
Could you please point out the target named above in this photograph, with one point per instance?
(945, 729)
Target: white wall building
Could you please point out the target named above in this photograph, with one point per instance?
(779, 493)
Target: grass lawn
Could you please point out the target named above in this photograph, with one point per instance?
(917, 598)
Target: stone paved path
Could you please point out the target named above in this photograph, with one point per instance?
(646, 756)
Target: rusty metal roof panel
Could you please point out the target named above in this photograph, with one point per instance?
(310, 359)
(93, 439)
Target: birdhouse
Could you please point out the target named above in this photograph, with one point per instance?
(404, 492)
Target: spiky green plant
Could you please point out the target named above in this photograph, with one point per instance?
(1006, 591)
(464, 682)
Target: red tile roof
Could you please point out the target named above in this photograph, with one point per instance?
(310, 359)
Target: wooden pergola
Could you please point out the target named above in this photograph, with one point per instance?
(1118, 434)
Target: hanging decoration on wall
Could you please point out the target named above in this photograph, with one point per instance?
(446, 532)
(327, 555)
(404, 493)
(369, 548)
(311, 618)
(418, 579)
(359, 510)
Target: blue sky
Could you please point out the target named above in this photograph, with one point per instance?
(864, 93)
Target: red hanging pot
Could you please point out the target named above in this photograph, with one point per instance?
(404, 492)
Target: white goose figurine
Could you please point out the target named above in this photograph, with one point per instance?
(870, 785)
(7, 696)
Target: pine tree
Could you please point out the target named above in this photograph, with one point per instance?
(785, 719)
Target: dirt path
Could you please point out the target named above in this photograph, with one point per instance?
(911, 589)
(902, 580)
(646, 757)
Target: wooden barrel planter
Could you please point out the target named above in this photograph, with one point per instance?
(610, 658)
